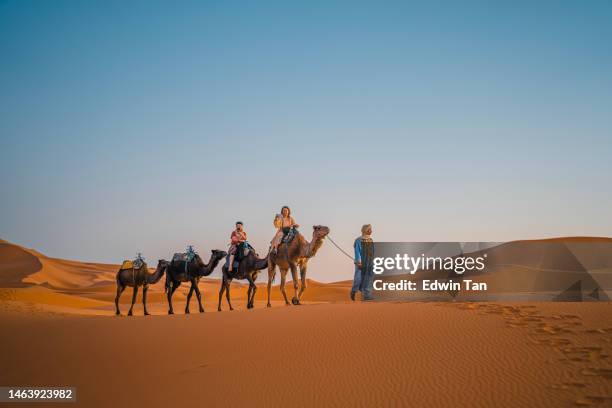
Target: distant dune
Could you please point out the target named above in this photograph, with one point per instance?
(532, 266)
(16, 264)
(89, 288)
(568, 268)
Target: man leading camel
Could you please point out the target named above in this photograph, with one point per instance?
(364, 255)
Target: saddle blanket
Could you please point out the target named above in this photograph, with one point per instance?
(136, 264)
(236, 262)
(288, 237)
(185, 256)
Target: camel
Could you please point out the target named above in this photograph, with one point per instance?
(248, 268)
(135, 278)
(195, 270)
(296, 253)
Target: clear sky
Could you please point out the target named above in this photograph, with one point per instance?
(146, 126)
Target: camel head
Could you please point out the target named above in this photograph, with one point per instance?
(162, 264)
(215, 257)
(319, 231)
(217, 254)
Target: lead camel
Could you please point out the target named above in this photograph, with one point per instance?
(290, 256)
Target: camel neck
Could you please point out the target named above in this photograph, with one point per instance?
(155, 276)
(313, 247)
(210, 266)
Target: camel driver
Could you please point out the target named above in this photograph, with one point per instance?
(364, 252)
(283, 223)
(238, 237)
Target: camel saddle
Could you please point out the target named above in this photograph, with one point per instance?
(183, 257)
(236, 263)
(241, 252)
(289, 235)
(186, 257)
(179, 257)
(135, 264)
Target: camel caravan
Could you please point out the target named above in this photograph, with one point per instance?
(289, 250)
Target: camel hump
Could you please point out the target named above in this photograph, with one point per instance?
(127, 264)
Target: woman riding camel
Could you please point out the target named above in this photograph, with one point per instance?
(283, 222)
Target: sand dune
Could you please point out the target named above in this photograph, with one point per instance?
(540, 269)
(540, 266)
(58, 329)
(20, 266)
(379, 354)
(16, 264)
(572, 268)
(89, 288)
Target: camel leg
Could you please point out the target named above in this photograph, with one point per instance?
(194, 283)
(282, 284)
(221, 290)
(253, 295)
(133, 300)
(189, 299)
(303, 281)
(175, 285)
(251, 292)
(295, 299)
(145, 289)
(271, 273)
(120, 289)
(227, 293)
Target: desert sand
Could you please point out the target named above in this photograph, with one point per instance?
(58, 329)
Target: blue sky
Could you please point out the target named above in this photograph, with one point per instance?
(146, 126)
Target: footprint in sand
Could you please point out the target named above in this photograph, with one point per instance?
(559, 331)
(601, 372)
(592, 400)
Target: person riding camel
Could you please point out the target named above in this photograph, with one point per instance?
(238, 237)
(283, 222)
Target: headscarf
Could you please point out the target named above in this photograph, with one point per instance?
(364, 235)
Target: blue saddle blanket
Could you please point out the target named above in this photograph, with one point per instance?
(289, 235)
(241, 252)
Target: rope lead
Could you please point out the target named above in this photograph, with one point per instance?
(340, 249)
